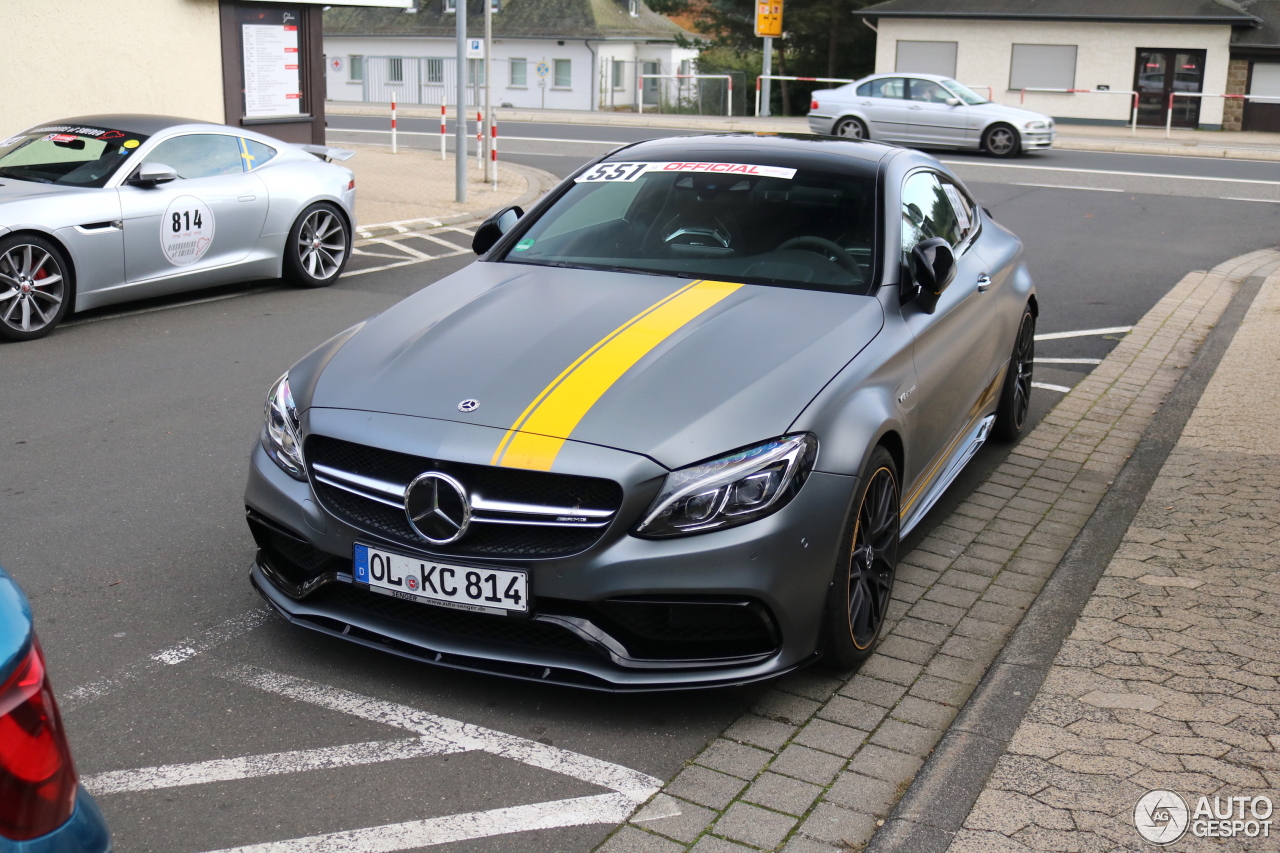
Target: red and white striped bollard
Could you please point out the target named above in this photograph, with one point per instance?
(443, 133)
(393, 127)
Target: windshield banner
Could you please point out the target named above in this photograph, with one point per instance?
(625, 172)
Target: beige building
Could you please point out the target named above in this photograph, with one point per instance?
(1083, 60)
(168, 57)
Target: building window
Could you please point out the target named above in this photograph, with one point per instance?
(496, 6)
(519, 72)
(450, 6)
(564, 74)
(435, 71)
(475, 72)
(685, 68)
(633, 8)
(619, 74)
(356, 68)
(927, 57)
(395, 69)
(1043, 66)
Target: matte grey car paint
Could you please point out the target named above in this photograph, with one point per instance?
(119, 259)
(853, 370)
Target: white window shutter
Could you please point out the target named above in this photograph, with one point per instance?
(1043, 66)
(927, 57)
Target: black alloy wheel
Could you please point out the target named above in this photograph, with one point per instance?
(852, 128)
(1001, 140)
(1015, 396)
(862, 586)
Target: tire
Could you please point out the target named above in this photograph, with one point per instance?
(1001, 140)
(318, 247)
(1015, 395)
(851, 128)
(36, 287)
(862, 583)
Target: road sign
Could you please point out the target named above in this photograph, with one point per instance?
(769, 18)
(475, 48)
(543, 69)
(336, 63)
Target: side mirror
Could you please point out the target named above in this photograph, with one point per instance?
(492, 229)
(151, 174)
(933, 266)
(953, 102)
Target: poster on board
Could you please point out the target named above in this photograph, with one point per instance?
(272, 82)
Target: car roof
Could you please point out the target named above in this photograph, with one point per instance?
(781, 149)
(141, 124)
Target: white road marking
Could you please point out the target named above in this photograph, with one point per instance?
(1067, 187)
(1068, 361)
(1046, 386)
(1108, 172)
(439, 240)
(183, 651)
(501, 138)
(408, 250)
(1084, 333)
(1261, 200)
(406, 263)
(255, 766)
(579, 811)
(362, 253)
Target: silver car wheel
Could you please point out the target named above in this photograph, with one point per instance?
(851, 128)
(322, 244)
(1000, 141)
(31, 288)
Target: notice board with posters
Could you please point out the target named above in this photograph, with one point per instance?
(272, 66)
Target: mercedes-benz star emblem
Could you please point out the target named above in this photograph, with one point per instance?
(468, 405)
(437, 508)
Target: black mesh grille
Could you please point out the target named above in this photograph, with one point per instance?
(498, 629)
(689, 628)
(482, 540)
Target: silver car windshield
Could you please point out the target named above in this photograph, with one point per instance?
(964, 93)
(74, 156)
(746, 223)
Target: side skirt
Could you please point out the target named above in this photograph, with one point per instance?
(964, 452)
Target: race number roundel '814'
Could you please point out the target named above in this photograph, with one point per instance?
(186, 230)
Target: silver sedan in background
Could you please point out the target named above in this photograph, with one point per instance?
(103, 209)
(927, 111)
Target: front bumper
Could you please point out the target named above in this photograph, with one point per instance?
(779, 567)
(1035, 140)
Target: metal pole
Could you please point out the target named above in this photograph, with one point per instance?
(493, 152)
(488, 67)
(460, 128)
(393, 127)
(765, 71)
(1168, 120)
(1133, 130)
(640, 94)
(729, 110)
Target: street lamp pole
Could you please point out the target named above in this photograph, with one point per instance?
(488, 99)
(460, 126)
(766, 70)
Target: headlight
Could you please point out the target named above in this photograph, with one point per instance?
(732, 490)
(1035, 125)
(280, 436)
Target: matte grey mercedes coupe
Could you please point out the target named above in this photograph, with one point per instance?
(667, 432)
(102, 209)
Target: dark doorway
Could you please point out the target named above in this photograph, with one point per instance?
(1161, 72)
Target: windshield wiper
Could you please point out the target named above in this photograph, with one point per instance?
(10, 173)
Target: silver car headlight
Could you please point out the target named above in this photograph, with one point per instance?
(732, 490)
(281, 437)
(1036, 125)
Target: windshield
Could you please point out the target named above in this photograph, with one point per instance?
(727, 221)
(964, 93)
(67, 155)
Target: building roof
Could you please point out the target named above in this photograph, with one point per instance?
(1230, 12)
(558, 19)
(1267, 35)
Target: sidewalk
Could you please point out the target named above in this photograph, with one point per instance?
(820, 763)
(1236, 145)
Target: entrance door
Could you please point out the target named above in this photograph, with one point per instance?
(650, 84)
(1160, 73)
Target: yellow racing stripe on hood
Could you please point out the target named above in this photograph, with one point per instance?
(536, 437)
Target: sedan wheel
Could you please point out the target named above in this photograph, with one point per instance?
(33, 288)
(318, 246)
(852, 128)
(863, 582)
(1001, 141)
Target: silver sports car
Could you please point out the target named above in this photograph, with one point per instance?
(103, 209)
(668, 432)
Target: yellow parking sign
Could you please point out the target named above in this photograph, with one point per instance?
(769, 18)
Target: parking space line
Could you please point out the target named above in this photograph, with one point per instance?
(1068, 361)
(183, 651)
(1084, 333)
(1062, 389)
(408, 250)
(439, 240)
(255, 766)
(579, 811)
(1259, 200)
(365, 254)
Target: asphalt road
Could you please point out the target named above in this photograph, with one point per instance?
(126, 438)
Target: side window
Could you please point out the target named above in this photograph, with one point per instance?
(928, 91)
(962, 206)
(864, 91)
(889, 87)
(256, 153)
(199, 155)
(927, 211)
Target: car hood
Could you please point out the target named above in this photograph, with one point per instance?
(14, 190)
(539, 344)
(1014, 115)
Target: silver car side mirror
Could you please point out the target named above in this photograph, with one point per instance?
(953, 102)
(151, 174)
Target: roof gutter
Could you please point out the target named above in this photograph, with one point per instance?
(1235, 21)
(594, 80)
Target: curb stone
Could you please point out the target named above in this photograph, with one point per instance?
(860, 738)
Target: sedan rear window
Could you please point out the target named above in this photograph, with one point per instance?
(731, 222)
(67, 155)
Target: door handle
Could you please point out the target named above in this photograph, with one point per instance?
(916, 107)
(984, 283)
(248, 198)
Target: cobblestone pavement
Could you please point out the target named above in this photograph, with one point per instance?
(1169, 678)
(820, 761)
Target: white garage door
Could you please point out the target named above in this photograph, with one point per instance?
(927, 57)
(1266, 79)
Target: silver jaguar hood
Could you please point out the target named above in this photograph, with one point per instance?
(674, 369)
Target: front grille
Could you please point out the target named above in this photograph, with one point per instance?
(499, 629)
(504, 541)
(689, 628)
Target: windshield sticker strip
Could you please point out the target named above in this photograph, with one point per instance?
(535, 439)
(628, 172)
